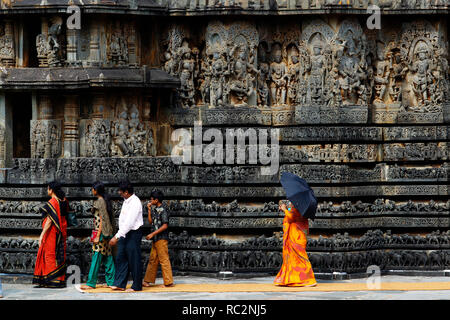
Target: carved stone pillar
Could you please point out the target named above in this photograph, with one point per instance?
(6, 134)
(150, 126)
(71, 120)
(94, 45)
(45, 109)
(72, 47)
(131, 43)
(98, 106)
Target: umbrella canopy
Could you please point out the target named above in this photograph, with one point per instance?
(300, 194)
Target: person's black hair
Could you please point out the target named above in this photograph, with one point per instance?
(126, 186)
(100, 188)
(157, 194)
(56, 187)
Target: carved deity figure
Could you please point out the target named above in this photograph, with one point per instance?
(129, 136)
(395, 77)
(119, 134)
(241, 74)
(278, 77)
(352, 67)
(421, 68)
(117, 49)
(6, 48)
(317, 68)
(54, 54)
(263, 77)
(53, 140)
(170, 66)
(45, 140)
(205, 79)
(382, 73)
(218, 72)
(294, 72)
(186, 69)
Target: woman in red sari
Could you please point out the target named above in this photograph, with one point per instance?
(50, 267)
(296, 270)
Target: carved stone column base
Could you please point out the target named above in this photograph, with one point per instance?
(283, 115)
(330, 115)
(382, 113)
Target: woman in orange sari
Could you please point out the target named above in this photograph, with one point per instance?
(296, 270)
(50, 267)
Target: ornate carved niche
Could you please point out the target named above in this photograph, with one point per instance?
(279, 67)
(335, 78)
(45, 138)
(426, 84)
(214, 68)
(387, 77)
(7, 53)
(117, 46)
(130, 136)
(182, 60)
(351, 62)
(95, 138)
(50, 44)
(317, 80)
(243, 40)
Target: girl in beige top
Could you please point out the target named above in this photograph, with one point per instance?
(104, 224)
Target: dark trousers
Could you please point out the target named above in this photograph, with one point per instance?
(128, 260)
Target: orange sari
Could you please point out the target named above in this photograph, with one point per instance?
(296, 270)
(50, 267)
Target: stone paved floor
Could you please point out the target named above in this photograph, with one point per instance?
(14, 291)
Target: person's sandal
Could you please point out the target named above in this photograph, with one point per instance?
(169, 285)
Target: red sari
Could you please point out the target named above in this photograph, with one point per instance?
(296, 270)
(50, 267)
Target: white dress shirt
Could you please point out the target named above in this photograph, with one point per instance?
(130, 216)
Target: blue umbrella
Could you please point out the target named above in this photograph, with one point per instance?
(300, 194)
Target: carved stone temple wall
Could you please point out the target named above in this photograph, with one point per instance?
(363, 115)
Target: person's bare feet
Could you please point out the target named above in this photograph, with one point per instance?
(117, 288)
(169, 285)
(130, 290)
(146, 284)
(86, 287)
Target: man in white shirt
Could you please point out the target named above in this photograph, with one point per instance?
(128, 238)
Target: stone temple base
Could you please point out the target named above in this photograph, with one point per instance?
(382, 113)
(221, 116)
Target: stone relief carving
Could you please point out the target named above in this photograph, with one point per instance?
(50, 46)
(425, 66)
(45, 138)
(7, 53)
(96, 138)
(243, 40)
(117, 49)
(319, 73)
(129, 136)
(312, 66)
